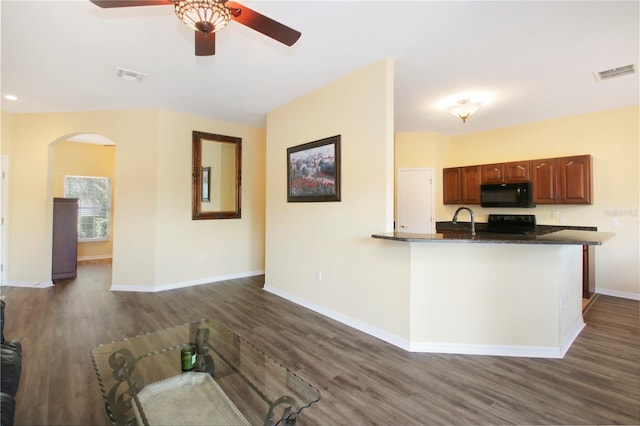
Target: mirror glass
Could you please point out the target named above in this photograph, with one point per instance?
(216, 176)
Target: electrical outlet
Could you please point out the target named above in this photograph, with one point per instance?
(318, 275)
(561, 304)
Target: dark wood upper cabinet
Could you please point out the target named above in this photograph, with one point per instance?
(575, 179)
(492, 173)
(470, 184)
(564, 180)
(517, 171)
(461, 185)
(544, 178)
(451, 185)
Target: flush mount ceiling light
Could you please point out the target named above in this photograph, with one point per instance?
(11, 97)
(463, 109)
(464, 104)
(206, 16)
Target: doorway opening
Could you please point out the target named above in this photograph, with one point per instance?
(89, 156)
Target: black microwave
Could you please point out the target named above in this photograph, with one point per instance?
(513, 194)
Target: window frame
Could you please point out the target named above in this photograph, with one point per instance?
(69, 194)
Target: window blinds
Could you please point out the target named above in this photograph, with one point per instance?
(94, 205)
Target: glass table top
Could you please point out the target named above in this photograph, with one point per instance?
(143, 382)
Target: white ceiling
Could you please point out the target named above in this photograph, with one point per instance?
(537, 58)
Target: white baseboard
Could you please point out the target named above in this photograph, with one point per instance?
(431, 347)
(571, 337)
(500, 350)
(184, 284)
(344, 319)
(29, 284)
(133, 288)
(621, 294)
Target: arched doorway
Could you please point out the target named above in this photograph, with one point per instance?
(84, 158)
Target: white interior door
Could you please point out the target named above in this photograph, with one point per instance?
(415, 201)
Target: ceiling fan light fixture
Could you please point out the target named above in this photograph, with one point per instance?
(206, 16)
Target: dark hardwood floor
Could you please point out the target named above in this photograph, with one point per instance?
(363, 380)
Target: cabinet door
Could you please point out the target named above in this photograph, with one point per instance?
(451, 185)
(492, 173)
(575, 180)
(544, 178)
(517, 171)
(470, 188)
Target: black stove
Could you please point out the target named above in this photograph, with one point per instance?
(515, 224)
(524, 224)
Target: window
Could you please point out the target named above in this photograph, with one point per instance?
(94, 205)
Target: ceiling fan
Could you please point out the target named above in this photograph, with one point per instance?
(207, 17)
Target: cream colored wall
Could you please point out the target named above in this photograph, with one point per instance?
(611, 137)
(85, 159)
(31, 189)
(156, 244)
(6, 127)
(423, 150)
(196, 251)
(362, 279)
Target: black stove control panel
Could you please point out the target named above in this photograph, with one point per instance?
(512, 219)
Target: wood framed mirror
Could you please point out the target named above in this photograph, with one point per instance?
(216, 176)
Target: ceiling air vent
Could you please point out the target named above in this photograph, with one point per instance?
(129, 75)
(615, 72)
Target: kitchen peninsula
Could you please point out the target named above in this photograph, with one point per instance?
(495, 294)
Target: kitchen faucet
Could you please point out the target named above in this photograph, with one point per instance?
(473, 222)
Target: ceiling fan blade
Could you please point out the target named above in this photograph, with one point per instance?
(205, 44)
(263, 24)
(129, 3)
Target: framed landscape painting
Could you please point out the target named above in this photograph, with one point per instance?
(313, 172)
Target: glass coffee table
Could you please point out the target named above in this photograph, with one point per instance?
(197, 373)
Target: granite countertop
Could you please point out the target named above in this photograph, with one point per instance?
(545, 234)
